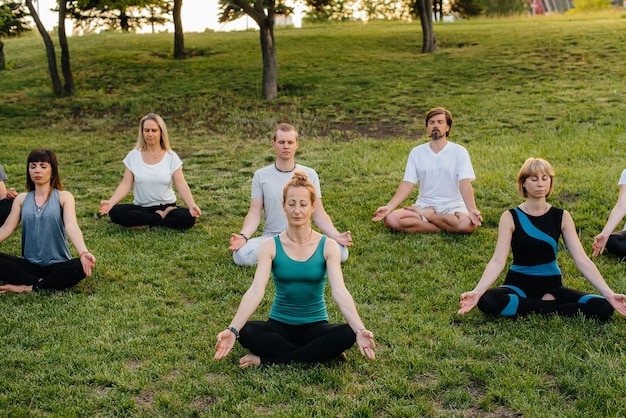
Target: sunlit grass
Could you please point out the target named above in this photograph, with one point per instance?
(137, 338)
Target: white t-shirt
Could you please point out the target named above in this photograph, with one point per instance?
(153, 182)
(621, 182)
(439, 174)
(268, 184)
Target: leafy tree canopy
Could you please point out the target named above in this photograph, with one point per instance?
(12, 15)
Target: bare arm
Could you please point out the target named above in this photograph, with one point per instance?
(250, 224)
(325, 224)
(617, 214)
(495, 265)
(467, 193)
(587, 268)
(344, 300)
(250, 300)
(185, 192)
(120, 193)
(74, 233)
(404, 190)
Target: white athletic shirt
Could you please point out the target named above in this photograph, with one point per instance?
(439, 174)
(153, 182)
(622, 181)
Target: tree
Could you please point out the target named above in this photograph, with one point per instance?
(424, 9)
(179, 40)
(12, 24)
(126, 15)
(58, 87)
(263, 13)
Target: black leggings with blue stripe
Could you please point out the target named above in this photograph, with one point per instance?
(508, 300)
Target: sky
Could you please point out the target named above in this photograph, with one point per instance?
(197, 15)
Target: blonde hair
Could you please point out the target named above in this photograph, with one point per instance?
(300, 179)
(165, 139)
(284, 127)
(534, 167)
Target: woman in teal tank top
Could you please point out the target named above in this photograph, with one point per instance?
(48, 218)
(299, 260)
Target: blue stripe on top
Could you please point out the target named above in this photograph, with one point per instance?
(547, 269)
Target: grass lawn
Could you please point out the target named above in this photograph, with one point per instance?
(137, 338)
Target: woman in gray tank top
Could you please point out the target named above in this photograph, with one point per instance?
(48, 218)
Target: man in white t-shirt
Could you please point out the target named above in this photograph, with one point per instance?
(267, 198)
(445, 173)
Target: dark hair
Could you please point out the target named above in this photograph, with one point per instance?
(43, 156)
(439, 111)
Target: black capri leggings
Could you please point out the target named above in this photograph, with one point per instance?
(276, 342)
(133, 215)
(59, 276)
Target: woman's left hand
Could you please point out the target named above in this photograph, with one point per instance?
(365, 340)
(618, 302)
(88, 261)
(195, 211)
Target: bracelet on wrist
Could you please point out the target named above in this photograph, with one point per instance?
(241, 234)
(234, 331)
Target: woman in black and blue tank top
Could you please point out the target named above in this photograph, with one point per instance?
(299, 260)
(48, 218)
(533, 281)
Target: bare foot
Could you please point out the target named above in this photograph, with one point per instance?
(548, 296)
(164, 212)
(16, 288)
(249, 360)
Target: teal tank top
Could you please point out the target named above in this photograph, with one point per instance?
(44, 240)
(299, 287)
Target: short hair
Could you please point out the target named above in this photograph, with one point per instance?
(284, 127)
(300, 179)
(165, 139)
(534, 167)
(439, 111)
(43, 156)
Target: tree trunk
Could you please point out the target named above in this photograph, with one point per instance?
(179, 40)
(425, 9)
(124, 21)
(2, 61)
(270, 65)
(57, 87)
(65, 51)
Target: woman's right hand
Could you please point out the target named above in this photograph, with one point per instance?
(225, 342)
(599, 242)
(105, 207)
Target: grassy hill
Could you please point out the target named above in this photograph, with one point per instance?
(137, 338)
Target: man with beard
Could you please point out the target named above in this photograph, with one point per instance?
(445, 173)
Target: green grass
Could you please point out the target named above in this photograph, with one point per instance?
(137, 338)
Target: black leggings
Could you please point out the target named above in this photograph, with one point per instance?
(510, 300)
(276, 342)
(617, 244)
(133, 215)
(59, 276)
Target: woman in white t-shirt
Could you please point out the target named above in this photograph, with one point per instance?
(615, 242)
(151, 168)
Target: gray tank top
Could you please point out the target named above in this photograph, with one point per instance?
(44, 240)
